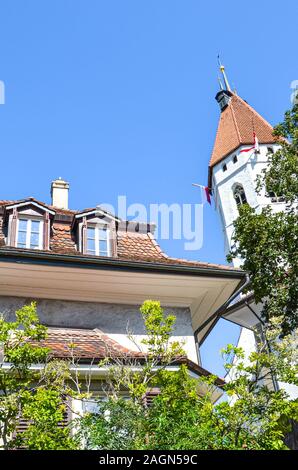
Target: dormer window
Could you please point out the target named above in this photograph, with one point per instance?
(27, 225)
(98, 240)
(29, 233)
(96, 232)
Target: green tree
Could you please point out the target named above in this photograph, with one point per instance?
(267, 242)
(118, 425)
(45, 410)
(159, 352)
(252, 414)
(180, 417)
(257, 416)
(33, 395)
(281, 174)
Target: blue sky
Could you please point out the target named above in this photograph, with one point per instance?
(117, 97)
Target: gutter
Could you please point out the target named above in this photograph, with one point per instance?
(86, 262)
(95, 371)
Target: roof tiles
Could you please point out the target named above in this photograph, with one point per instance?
(138, 246)
(237, 123)
(83, 344)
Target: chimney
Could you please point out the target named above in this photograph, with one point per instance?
(59, 193)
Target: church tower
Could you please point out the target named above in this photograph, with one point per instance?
(243, 143)
(244, 139)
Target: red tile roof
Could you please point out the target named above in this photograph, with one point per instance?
(236, 125)
(83, 344)
(131, 245)
(90, 345)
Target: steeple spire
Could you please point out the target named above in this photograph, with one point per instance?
(224, 75)
(220, 83)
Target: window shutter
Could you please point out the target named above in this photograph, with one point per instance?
(22, 426)
(46, 232)
(66, 415)
(149, 396)
(13, 228)
(84, 235)
(113, 239)
(23, 423)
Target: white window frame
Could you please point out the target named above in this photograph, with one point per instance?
(98, 227)
(100, 397)
(28, 232)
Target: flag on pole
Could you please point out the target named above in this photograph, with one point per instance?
(255, 146)
(205, 193)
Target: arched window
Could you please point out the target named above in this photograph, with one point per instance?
(239, 195)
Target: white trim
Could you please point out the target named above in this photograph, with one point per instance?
(94, 370)
(96, 212)
(21, 204)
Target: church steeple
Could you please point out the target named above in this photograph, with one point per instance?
(237, 124)
(234, 164)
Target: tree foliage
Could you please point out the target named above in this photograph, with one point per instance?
(25, 392)
(252, 416)
(281, 174)
(157, 351)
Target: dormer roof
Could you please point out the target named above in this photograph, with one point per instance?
(97, 212)
(26, 202)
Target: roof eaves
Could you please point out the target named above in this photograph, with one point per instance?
(87, 262)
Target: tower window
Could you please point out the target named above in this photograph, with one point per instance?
(224, 167)
(235, 159)
(239, 195)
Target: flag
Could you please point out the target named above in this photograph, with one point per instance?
(255, 145)
(205, 192)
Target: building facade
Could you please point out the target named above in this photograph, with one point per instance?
(89, 272)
